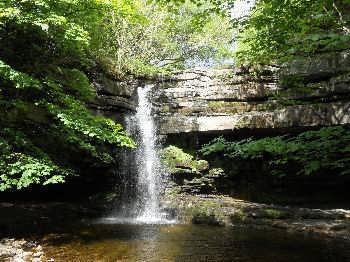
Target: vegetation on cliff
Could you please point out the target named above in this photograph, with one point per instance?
(45, 124)
(177, 161)
(309, 153)
(279, 31)
(49, 53)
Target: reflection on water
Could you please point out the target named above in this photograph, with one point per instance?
(188, 243)
(162, 220)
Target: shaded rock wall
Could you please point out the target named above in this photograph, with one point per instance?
(114, 97)
(255, 98)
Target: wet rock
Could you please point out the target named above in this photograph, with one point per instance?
(201, 185)
(216, 173)
(114, 95)
(326, 114)
(6, 205)
(38, 254)
(14, 250)
(31, 244)
(206, 219)
(112, 87)
(223, 210)
(112, 103)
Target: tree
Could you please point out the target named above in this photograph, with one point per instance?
(44, 88)
(279, 30)
(149, 38)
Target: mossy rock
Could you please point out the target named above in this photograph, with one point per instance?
(215, 173)
(201, 185)
(201, 165)
(238, 216)
(179, 162)
(206, 219)
(274, 214)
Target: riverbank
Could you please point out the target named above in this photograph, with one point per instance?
(221, 210)
(22, 224)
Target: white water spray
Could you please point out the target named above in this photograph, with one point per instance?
(140, 203)
(147, 161)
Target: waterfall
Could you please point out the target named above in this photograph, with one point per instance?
(147, 161)
(141, 172)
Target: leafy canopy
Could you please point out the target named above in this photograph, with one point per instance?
(280, 30)
(146, 38)
(45, 127)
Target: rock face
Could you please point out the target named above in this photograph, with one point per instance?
(114, 97)
(189, 174)
(305, 93)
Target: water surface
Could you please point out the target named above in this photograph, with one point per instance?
(108, 242)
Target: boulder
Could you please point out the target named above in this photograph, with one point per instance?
(182, 164)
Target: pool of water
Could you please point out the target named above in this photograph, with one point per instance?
(186, 243)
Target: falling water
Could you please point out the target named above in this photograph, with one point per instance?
(147, 161)
(140, 171)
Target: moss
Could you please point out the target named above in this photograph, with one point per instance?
(216, 172)
(207, 219)
(174, 157)
(208, 204)
(174, 191)
(165, 109)
(179, 162)
(206, 212)
(274, 213)
(243, 122)
(201, 165)
(216, 104)
(238, 216)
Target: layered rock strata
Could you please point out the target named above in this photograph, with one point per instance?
(114, 96)
(305, 93)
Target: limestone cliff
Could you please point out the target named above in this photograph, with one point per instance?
(305, 93)
(114, 97)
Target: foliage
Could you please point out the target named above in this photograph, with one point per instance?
(308, 153)
(23, 164)
(49, 53)
(144, 39)
(45, 58)
(279, 30)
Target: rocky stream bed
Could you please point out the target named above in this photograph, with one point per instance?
(218, 210)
